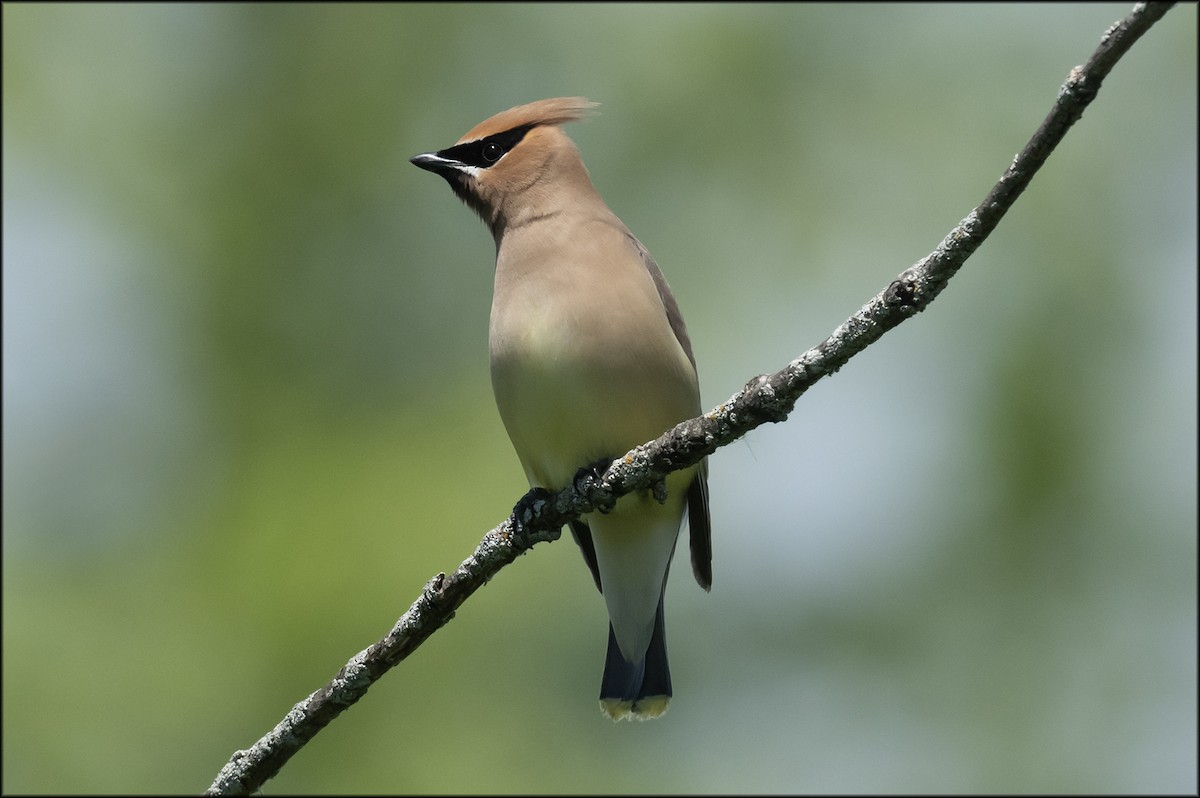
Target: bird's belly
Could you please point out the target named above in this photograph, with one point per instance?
(569, 398)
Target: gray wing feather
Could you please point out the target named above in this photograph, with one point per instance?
(699, 521)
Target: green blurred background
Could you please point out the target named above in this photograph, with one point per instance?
(247, 410)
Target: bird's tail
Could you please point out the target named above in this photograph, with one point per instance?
(637, 690)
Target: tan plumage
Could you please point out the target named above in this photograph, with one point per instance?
(555, 111)
(590, 357)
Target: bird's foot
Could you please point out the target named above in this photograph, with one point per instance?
(659, 491)
(531, 505)
(593, 476)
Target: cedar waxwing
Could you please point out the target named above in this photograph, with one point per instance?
(589, 358)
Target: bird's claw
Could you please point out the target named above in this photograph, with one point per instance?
(531, 505)
(593, 476)
(659, 491)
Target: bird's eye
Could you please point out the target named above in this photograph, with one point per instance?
(484, 153)
(492, 152)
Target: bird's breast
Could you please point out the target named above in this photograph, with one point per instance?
(584, 369)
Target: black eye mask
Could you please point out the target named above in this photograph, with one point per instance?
(486, 151)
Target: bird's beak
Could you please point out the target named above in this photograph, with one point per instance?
(436, 163)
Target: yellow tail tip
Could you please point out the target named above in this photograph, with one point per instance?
(646, 708)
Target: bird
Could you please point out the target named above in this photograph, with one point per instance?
(589, 358)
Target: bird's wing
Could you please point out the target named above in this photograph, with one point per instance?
(699, 523)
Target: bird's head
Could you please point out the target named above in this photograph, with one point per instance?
(517, 164)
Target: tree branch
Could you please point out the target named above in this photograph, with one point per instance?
(768, 397)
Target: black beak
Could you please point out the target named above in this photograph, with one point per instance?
(435, 163)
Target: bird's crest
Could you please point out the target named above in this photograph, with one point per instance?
(555, 111)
